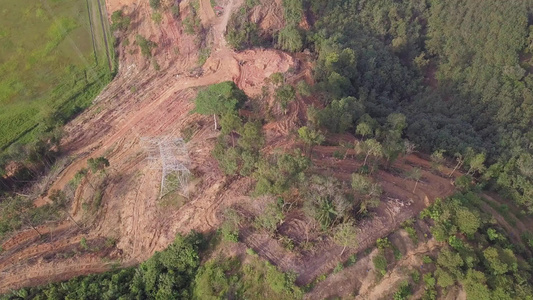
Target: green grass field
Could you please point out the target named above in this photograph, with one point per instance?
(53, 58)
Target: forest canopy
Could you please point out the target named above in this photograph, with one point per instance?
(460, 71)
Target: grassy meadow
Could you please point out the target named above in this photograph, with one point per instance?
(53, 62)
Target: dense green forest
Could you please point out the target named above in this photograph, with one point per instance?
(477, 253)
(460, 71)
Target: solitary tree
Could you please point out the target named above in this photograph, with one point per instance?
(415, 174)
(310, 137)
(369, 147)
(345, 236)
(437, 159)
(98, 164)
(145, 45)
(370, 191)
(364, 129)
(217, 99)
(231, 122)
(119, 20)
(476, 163)
(59, 199)
(460, 161)
(467, 221)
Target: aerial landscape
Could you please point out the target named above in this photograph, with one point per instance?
(266, 149)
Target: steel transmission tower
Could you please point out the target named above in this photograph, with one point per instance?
(169, 154)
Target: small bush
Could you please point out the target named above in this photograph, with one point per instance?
(427, 260)
(383, 243)
(380, 263)
(415, 275)
(155, 4)
(412, 234)
(175, 10)
(157, 18)
(119, 20)
(397, 254)
(303, 88)
(338, 268)
(284, 95)
(83, 244)
(145, 45)
(352, 260)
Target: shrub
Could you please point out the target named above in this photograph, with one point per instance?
(119, 20)
(380, 263)
(284, 95)
(145, 45)
(155, 4)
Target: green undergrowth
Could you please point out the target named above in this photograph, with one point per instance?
(177, 273)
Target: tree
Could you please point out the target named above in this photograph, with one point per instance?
(292, 11)
(340, 114)
(495, 262)
(370, 147)
(230, 227)
(477, 164)
(364, 129)
(467, 221)
(221, 98)
(155, 4)
(450, 260)
(361, 183)
(271, 218)
(444, 279)
(371, 192)
(437, 159)
(460, 161)
(475, 285)
(325, 201)
(303, 88)
(231, 122)
(277, 78)
(290, 39)
(59, 200)
(380, 263)
(119, 20)
(408, 147)
(345, 236)
(98, 164)
(252, 138)
(396, 122)
(415, 174)
(284, 95)
(145, 45)
(310, 137)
